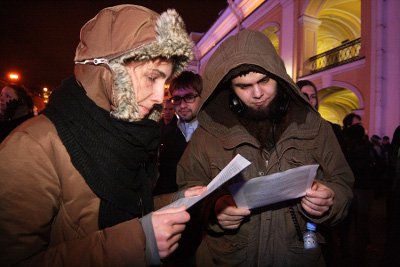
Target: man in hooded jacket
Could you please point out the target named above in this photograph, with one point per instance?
(253, 108)
(75, 183)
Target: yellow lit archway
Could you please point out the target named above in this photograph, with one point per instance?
(336, 102)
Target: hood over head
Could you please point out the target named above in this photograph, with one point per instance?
(127, 32)
(246, 47)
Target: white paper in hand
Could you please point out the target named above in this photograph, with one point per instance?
(274, 188)
(236, 165)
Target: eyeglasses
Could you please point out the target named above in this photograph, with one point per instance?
(177, 100)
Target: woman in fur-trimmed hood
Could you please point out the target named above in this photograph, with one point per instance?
(76, 180)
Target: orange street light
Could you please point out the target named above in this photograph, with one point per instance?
(13, 76)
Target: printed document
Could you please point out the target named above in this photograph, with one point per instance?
(274, 188)
(236, 165)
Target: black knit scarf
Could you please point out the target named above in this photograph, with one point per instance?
(116, 158)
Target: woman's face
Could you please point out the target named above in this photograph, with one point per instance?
(7, 94)
(148, 79)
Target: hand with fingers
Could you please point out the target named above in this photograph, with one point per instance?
(168, 226)
(318, 199)
(228, 215)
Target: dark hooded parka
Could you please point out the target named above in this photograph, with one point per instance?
(75, 180)
(270, 236)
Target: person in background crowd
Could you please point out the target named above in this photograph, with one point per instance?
(253, 108)
(167, 125)
(378, 167)
(376, 142)
(359, 153)
(76, 180)
(392, 246)
(386, 149)
(351, 119)
(185, 93)
(16, 106)
(309, 89)
(167, 113)
(186, 97)
(166, 178)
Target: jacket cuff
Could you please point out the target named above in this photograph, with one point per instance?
(152, 256)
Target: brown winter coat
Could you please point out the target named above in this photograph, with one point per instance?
(269, 237)
(49, 214)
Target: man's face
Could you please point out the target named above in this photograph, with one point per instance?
(168, 112)
(312, 95)
(255, 90)
(186, 111)
(148, 80)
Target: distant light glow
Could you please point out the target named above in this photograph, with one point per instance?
(13, 76)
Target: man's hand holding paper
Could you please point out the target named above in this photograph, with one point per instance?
(228, 215)
(318, 199)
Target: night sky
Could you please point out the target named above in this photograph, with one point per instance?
(38, 38)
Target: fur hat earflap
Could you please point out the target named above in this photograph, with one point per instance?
(172, 42)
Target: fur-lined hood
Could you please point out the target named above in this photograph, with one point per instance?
(124, 32)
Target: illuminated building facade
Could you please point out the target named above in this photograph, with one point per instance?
(349, 48)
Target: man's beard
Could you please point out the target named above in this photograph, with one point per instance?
(260, 114)
(261, 124)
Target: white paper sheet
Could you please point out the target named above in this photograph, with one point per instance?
(274, 188)
(236, 165)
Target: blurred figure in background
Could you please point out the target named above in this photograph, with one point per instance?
(309, 89)
(167, 114)
(360, 156)
(386, 149)
(392, 248)
(351, 119)
(167, 151)
(16, 106)
(378, 168)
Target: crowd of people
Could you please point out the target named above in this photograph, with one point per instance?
(374, 161)
(110, 151)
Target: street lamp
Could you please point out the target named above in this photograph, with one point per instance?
(13, 76)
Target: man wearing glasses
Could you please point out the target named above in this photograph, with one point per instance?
(185, 91)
